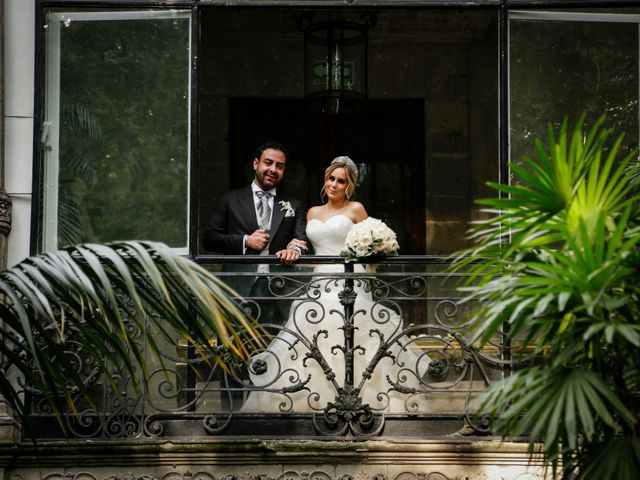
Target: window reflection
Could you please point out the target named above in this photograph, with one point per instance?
(564, 65)
(117, 148)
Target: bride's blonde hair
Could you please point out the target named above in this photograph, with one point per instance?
(350, 170)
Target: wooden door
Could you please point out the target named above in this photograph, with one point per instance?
(385, 139)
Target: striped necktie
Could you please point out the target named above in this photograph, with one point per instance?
(264, 210)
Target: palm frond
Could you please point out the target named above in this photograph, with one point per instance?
(553, 405)
(617, 458)
(82, 293)
(557, 268)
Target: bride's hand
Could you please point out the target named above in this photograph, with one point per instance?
(288, 256)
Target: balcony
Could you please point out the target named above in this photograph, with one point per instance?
(368, 351)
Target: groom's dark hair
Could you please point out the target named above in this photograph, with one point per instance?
(273, 145)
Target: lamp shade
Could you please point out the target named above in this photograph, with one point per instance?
(336, 63)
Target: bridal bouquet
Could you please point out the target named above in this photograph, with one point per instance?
(369, 238)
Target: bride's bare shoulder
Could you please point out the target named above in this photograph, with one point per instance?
(357, 211)
(314, 212)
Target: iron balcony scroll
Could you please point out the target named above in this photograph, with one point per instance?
(388, 342)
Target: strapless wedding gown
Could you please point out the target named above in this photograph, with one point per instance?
(286, 376)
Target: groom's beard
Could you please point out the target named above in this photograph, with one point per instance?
(268, 181)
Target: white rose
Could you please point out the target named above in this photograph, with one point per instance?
(392, 247)
(370, 236)
(365, 238)
(378, 228)
(380, 247)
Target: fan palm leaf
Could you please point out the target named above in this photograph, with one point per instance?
(617, 459)
(557, 269)
(91, 294)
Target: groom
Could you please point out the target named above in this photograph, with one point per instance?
(259, 220)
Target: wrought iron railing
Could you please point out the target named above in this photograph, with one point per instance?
(354, 350)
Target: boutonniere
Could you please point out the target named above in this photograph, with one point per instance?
(287, 208)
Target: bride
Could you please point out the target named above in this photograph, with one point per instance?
(302, 370)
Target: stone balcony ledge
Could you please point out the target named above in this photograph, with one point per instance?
(460, 458)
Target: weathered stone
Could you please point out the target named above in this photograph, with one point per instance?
(456, 458)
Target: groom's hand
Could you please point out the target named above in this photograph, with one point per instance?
(258, 240)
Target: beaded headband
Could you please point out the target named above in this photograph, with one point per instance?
(347, 163)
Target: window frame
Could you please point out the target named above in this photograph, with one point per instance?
(509, 9)
(46, 236)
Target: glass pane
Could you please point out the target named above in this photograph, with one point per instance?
(426, 141)
(123, 126)
(566, 68)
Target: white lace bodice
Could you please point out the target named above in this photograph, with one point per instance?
(328, 237)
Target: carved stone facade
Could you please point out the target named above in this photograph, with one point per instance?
(5, 225)
(274, 460)
(289, 475)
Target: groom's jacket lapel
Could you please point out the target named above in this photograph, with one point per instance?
(247, 211)
(276, 215)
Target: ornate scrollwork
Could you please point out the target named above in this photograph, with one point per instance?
(131, 476)
(214, 424)
(355, 346)
(5, 212)
(349, 415)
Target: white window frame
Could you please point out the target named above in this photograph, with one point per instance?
(50, 138)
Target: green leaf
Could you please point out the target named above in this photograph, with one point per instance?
(614, 458)
(78, 293)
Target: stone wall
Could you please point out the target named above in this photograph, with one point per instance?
(453, 459)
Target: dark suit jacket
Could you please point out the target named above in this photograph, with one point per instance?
(235, 217)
